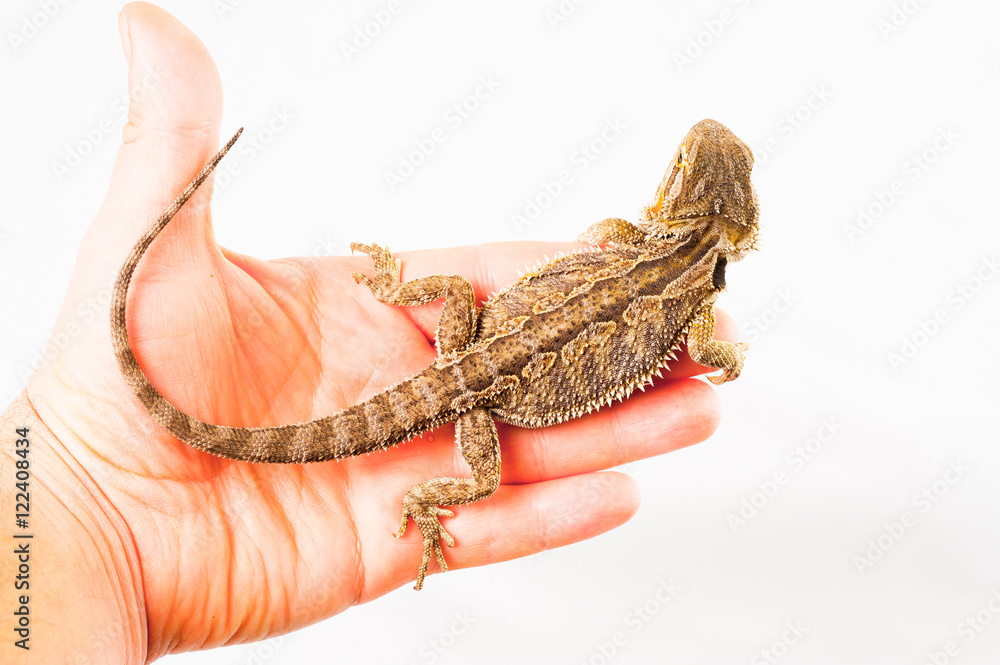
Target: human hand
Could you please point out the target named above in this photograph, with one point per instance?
(196, 551)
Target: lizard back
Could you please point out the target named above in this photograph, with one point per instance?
(592, 326)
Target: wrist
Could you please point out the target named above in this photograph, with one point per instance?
(70, 568)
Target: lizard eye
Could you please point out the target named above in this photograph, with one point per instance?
(682, 157)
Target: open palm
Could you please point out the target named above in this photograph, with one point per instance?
(230, 551)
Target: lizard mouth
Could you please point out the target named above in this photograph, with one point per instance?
(742, 239)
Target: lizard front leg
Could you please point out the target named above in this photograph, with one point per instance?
(613, 230)
(458, 318)
(705, 350)
(477, 439)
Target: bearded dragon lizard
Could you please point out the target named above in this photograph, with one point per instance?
(565, 339)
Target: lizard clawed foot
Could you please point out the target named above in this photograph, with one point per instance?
(426, 517)
(730, 373)
(387, 269)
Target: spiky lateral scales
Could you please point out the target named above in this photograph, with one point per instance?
(595, 326)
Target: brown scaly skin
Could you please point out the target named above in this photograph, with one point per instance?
(565, 339)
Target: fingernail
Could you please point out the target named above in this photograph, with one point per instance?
(123, 35)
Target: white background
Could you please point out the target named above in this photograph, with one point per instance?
(837, 102)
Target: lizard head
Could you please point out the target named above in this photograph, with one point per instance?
(708, 178)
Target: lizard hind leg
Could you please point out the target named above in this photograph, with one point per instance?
(477, 439)
(458, 318)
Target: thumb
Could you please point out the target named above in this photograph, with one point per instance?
(175, 109)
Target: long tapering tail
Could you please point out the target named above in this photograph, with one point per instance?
(372, 425)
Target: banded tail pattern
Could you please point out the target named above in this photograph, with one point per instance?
(405, 410)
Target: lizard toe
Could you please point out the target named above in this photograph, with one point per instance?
(427, 518)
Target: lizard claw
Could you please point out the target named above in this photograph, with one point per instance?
(426, 518)
(730, 373)
(387, 270)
